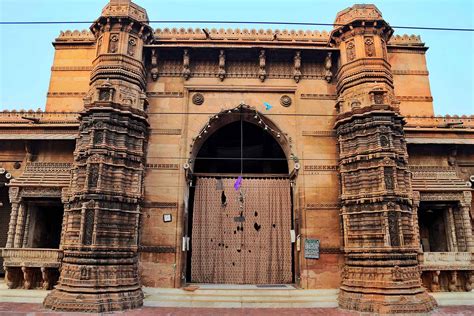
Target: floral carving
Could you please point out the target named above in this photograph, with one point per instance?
(369, 47)
(132, 44)
(350, 50)
(285, 100)
(113, 43)
(198, 99)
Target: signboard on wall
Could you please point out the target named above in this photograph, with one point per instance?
(311, 248)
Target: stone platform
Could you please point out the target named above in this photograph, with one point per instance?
(229, 300)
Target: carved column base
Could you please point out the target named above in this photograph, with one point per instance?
(13, 277)
(384, 283)
(94, 302)
(386, 304)
(98, 282)
(28, 277)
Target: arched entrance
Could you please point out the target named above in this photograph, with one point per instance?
(240, 209)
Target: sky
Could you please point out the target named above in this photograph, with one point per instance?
(26, 53)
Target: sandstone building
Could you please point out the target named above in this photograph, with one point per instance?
(175, 156)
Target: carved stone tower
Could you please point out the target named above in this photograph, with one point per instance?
(381, 271)
(99, 272)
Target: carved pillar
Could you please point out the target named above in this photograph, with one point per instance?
(453, 279)
(12, 224)
(435, 281)
(469, 280)
(415, 223)
(99, 271)
(20, 226)
(28, 277)
(26, 229)
(465, 209)
(451, 230)
(381, 264)
(12, 277)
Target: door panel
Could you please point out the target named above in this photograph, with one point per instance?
(248, 245)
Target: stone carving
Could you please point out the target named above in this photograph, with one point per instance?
(384, 141)
(285, 100)
(198, 99)
(154, 65)
(88, 227)
(221, 73)
(102, 236)
(355, 104)
(328, 66)
(113, 43)
(262, 73)
(132, 45)
(186, 70)
(372, 180)
(99, 46)
(350, 50)
(394, 229)
(297, 66)
(369, 47)
(384, 49)
(388, 177)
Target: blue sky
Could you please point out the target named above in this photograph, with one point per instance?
(26, 52)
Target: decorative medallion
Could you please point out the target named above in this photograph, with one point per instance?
(198, 99)
(285, 100)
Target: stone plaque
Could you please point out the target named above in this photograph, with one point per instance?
(311, 249)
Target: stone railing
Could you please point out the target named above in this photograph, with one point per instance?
(447, 261)
(31, 267)
(32, 257)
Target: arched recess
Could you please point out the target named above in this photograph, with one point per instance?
(250, 118)
(247, 230)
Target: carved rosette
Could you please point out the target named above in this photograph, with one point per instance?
(99, 271)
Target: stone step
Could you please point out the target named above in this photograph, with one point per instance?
(239, 298)
(454, 298)
(250, 299)
(271, 292)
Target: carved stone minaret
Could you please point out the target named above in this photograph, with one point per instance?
(99, 272)
(381, 271)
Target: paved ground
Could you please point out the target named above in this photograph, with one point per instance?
(27, 309)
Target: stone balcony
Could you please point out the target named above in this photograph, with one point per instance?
(447, 261)
(447, 271)
(31, 267)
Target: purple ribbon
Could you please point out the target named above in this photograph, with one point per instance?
(238, 183)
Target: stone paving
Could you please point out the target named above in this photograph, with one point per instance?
(28, 309)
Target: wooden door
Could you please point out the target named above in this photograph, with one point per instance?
(246, 242)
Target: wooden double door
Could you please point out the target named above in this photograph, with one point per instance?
(241, 235)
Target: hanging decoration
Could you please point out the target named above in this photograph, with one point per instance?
(238, 183)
